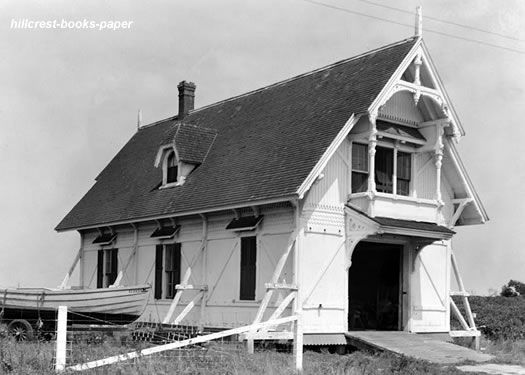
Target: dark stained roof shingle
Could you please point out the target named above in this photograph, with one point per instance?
(411, 224)
(193, 142)
(266, 144)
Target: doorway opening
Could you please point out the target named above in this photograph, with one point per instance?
(374, 287)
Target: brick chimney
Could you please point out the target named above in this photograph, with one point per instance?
(186, 98)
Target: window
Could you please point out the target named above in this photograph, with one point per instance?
(107, 267)
(359, 168)
(167, 270)
(384, 167)
(384, 170)
(248, 268)
(404, 166)
(171, 169)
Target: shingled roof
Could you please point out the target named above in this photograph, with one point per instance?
(266, 144)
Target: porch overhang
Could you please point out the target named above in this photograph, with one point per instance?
(400, 227)
(413, 228)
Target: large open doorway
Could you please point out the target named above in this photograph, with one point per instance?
(374, 283)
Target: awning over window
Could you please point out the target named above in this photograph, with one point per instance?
(400, 132)
(244, 223)
(165, 232)
(105, 239)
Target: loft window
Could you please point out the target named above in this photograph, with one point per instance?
(171, 169)
(404, 166)
(359, 168)
(248, 268)
(167, 270)
(384, 170)
(384, 167)
(107, 267)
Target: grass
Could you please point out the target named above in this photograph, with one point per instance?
(216, 358)
(506, 351)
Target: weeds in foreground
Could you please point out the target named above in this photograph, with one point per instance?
(506, 351)
(216, 358)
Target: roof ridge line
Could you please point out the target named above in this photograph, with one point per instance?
(158, 122)
(301, 75)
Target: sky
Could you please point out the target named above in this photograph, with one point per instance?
(69, 100)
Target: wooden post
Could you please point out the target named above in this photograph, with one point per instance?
(176, 299)
(419, 21)
(298, 344)
(64, 283)
(204, 261)
(372, 142)
(394, 172)
(275, 278)
(82, 266)
(298, 302)
(60, 364)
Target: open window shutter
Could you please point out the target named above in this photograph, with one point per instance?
(158, 272)
(248, 271)
(100, 269)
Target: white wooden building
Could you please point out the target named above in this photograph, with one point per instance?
(352, 168)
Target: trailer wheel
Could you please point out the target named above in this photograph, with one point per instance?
(20, 329)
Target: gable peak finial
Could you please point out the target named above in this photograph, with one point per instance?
(139, 118)
(419, 21)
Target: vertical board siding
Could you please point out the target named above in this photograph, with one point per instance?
(401, 107)
(332, 189)
(323, 277)
(430, 289)
(223, 306)
(447, 194)
(426, 176)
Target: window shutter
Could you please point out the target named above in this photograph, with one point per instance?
(100, 269)
(114, 266)
(176, 263)
(248, 268)
(158, 271)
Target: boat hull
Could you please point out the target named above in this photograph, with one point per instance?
(120, 305)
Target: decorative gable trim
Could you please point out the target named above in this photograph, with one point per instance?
(419, 54)
(467, 183)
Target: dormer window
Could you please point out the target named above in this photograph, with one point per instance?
(172, 168)
(180, 157)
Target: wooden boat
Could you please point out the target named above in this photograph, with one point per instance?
(38, 306)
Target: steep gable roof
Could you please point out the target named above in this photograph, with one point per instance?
(266, 144)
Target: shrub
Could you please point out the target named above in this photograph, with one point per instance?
(518, 286)
(509, 291)
(498, 318)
